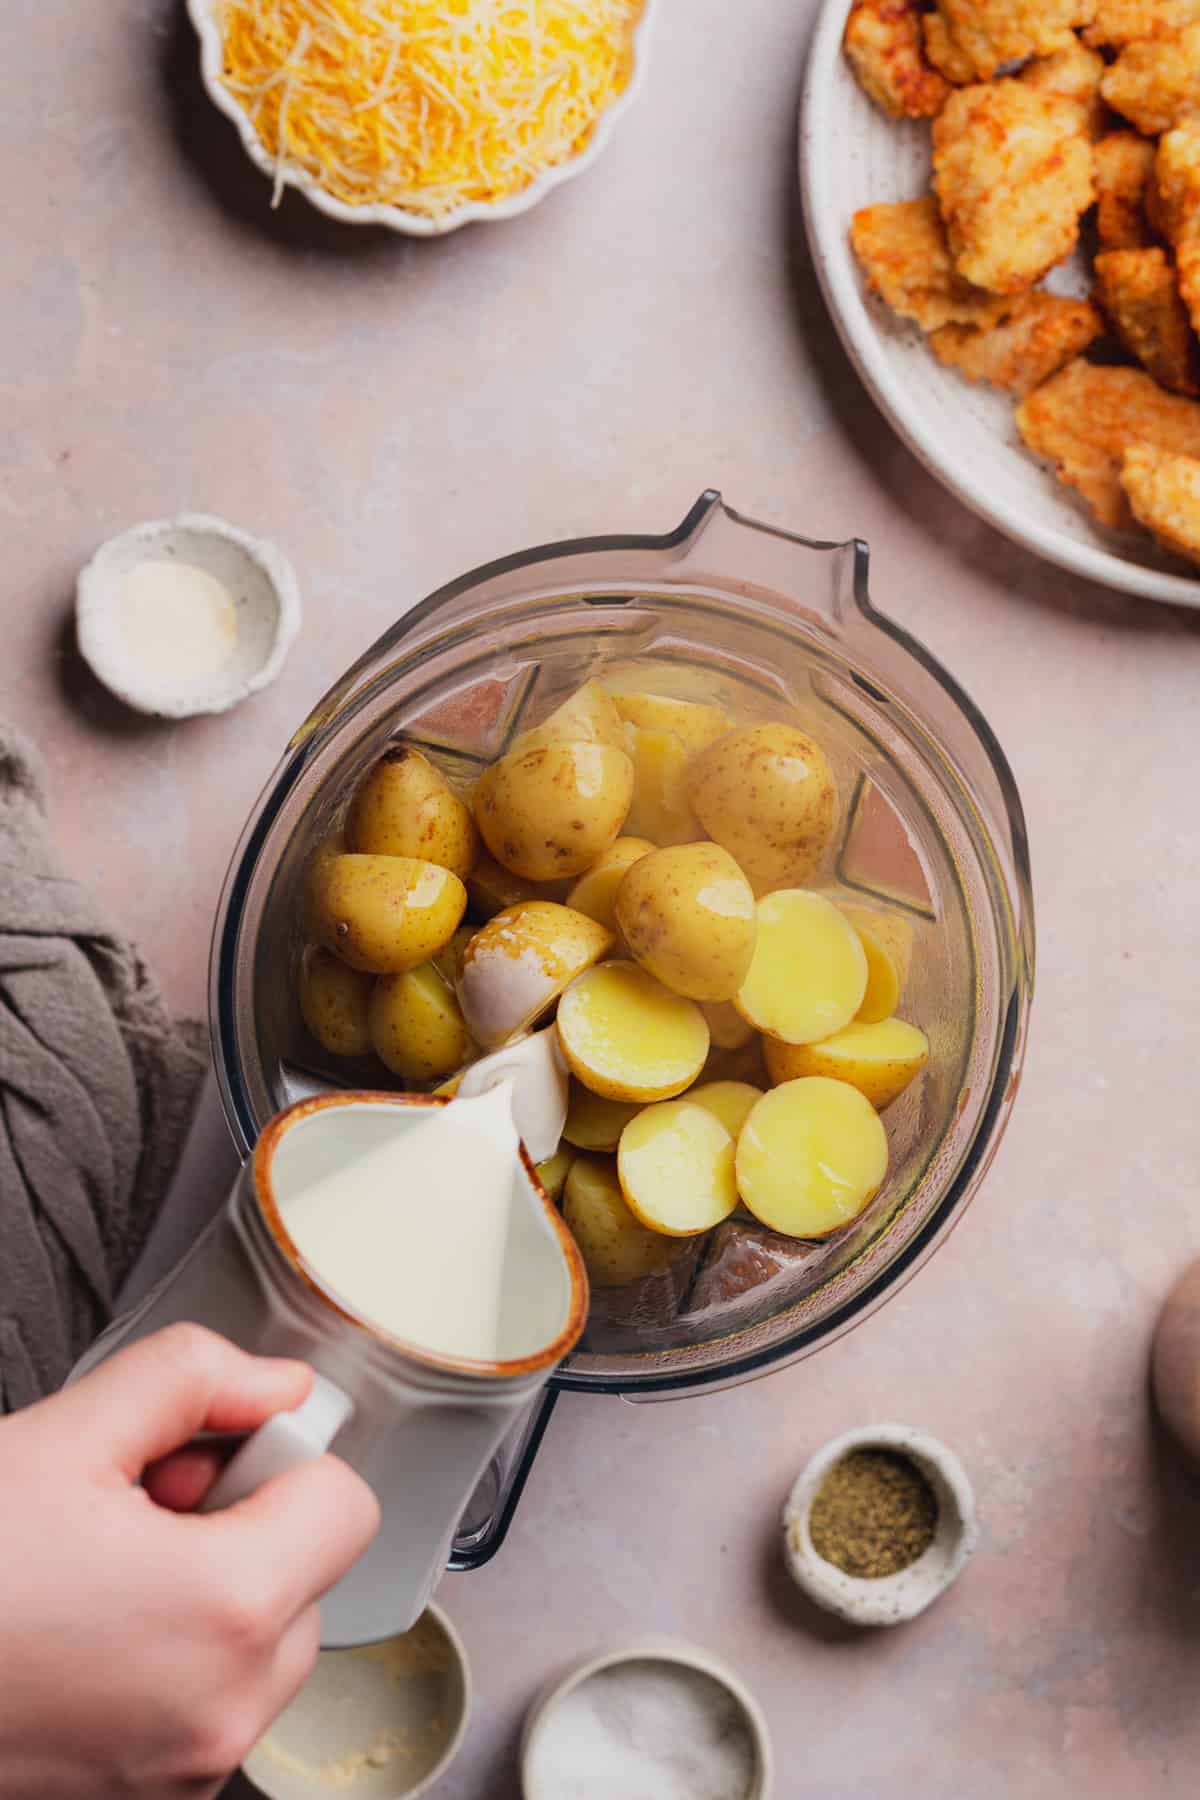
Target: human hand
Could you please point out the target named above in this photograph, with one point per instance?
(144, 1649)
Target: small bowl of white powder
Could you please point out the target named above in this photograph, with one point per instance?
(187, 615)
(654, 1721)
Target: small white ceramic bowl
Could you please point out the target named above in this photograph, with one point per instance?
(204, 15)
(259, 580)
(668, 1650)
(852, 155)
(374, 1720)
(890, 1599)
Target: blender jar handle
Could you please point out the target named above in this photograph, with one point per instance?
(284, 1442)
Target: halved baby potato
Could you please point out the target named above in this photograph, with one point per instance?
(333, 1002)
(616, 1248)
(588, 716)
(766, 794)
(384, 914)
(729, 1101)
(518, 964)
(880, 1059)
(554, 810)
(696, 723)
(883, 979)
(594, 1123)
(659, 809)
(676, 1166)
(811, 1155)
(595, 893)
(406, 807)
(809, 972)
(628, 1037)
(890, 929)
(687, 914)
(417, 1028)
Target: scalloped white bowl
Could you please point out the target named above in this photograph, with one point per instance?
(204, 17)
(851, 155)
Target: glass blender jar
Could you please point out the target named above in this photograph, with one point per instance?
(773, 625)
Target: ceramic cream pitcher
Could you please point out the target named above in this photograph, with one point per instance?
(420, 1426)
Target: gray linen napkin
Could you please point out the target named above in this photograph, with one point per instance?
(97, 1087)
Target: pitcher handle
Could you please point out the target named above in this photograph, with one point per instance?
(283, 1442)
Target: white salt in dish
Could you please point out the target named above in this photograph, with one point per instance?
(659, 1720)
(188, 615)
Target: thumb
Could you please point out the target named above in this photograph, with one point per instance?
(155, 1396)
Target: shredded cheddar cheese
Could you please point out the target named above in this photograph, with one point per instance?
(425, 104)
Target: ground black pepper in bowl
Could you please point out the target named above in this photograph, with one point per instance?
(873, 1515)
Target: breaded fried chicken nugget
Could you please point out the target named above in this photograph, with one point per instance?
(906, 258)
(1124, 165)
(944, 53)
(884, 46)
(987, 34)
(1156, 84)
(1121, 22)
(1042, 332)
(1073, 74)
(1163, 491)
(1177, 178)
(1086, 417)
(1139, 292)
(1013, 172)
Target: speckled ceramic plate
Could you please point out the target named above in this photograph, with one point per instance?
(851, 155)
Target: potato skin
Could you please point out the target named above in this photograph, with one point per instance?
(417, 1028)
(767, 794)
(406, 807)
(596, 892)
(384, 914)
(553, 811)
(333, 1002)
(687, 914)
(615, 1247)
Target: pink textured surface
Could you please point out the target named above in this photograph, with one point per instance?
(393, 413)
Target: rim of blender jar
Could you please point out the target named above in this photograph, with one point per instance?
(263, 1188)
(329, 713)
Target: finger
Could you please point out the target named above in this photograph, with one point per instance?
(317, 1518)
(182, 1479)
(158, 1394)
(292, 1664)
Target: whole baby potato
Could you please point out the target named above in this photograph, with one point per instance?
(416, 1024)
(384, 914)
(333, 1003)
(406, 807)
(616, 1248)
(554, 810)
(767, 795)
(688, 915)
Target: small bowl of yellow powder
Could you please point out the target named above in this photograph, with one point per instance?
(187, 615)
(421, 115)
(879, 1524)
(382, 1722)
